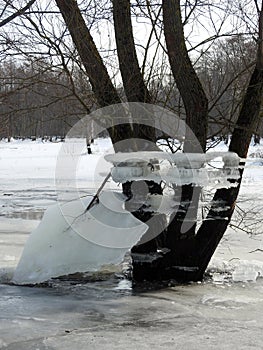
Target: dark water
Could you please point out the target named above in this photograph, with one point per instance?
(107, 314)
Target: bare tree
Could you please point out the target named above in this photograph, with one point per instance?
(189, 253)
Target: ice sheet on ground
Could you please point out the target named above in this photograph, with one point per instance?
(68, 240)
(247, 271)
(239, 257)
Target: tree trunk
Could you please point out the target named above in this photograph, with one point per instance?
(136, 91)
(105, 93)
(180, 245)
(189, 255)
(187, 81)
(132, 78)
(211, 231)
(102, 86)
(133, 82)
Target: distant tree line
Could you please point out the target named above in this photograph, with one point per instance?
(38, 99)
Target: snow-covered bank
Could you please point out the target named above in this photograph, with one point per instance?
(32, 163)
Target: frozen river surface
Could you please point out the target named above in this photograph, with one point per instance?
(103, 312)
(100, 315)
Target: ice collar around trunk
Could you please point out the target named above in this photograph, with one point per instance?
(178, 168)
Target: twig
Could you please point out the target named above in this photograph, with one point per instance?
(256, 250)
(17, 13)
(96, 196)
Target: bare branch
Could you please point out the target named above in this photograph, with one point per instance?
(17, 13)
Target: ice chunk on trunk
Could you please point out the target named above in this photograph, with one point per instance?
(183, 169)
(70, 240)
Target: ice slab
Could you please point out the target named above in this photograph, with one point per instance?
(186, 160)
(70, 240)
(183, 168)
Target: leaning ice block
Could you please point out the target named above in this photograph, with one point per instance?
(70, 240)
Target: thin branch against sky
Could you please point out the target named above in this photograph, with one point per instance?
(17, 13)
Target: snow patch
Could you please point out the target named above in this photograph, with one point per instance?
(237, 270)
(247, 271)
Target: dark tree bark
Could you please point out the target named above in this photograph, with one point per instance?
(132, 78)
(133, 82)
(196, 107)
(187, 81)
(102, 86)
(136, 91)
(105, 93)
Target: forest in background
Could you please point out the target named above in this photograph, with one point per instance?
(45, 90)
